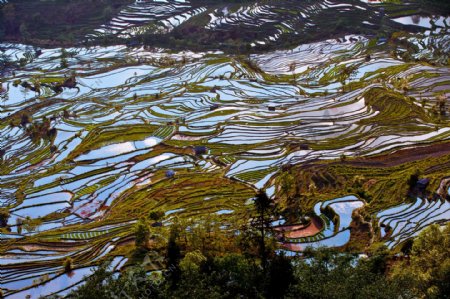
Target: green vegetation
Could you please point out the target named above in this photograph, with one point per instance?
(428, 267)
(57, 22)
(209, 175)
(4, 215)
(67, 23)
(68, 265)
(322, 273)
(381, 181)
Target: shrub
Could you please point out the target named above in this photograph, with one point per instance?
(156, 215)
(4, 216)
(142, 233)
(68, 264)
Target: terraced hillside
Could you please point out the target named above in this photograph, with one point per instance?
(56, 22)
(232, 26)
(255, 25)
(348, 137)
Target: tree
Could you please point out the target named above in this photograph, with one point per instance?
(132, 283)
(173, 256)
(328, 274)
(413, 179)
(156, 215)
(4, 216)
(107, 13)
(5, 61)
(262, 205)
(142, 233)
(428, 268)
(441, 104)
(68, 265)
(192, 261)
(31, 224)
(63, 57)
(25, 119)
(292, 67)
(24, 31)
(10, 19)
(281, 276)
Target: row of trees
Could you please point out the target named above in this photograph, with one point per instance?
(195, 267)
(322, 273)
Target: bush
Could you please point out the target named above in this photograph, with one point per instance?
(427, 271)
(156, 215)
(413, 179)
(4, 216)
(318, 273)
(68, 265)
(142, 233)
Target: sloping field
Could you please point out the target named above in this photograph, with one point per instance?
(92, 139)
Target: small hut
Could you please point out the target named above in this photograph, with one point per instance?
(304, 146)
(200, 150)
(213, 107)
(422, 184)
(170, 174)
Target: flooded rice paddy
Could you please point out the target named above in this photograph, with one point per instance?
(195, 134)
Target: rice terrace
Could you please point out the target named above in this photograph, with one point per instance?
(224, 149)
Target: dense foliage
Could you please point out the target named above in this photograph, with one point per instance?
(161, 169)
(324, 273)
(49, 22)
(66, 23)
